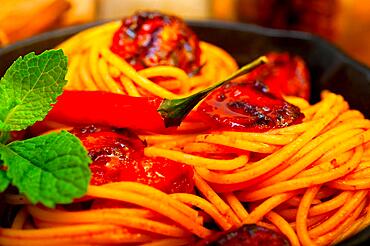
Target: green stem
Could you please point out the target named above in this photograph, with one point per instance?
(173, 111)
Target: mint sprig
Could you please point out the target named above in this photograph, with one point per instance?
(29, 87)
(50, 169)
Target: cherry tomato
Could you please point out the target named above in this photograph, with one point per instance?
(118, 155)
(148, 39)
(247, 235)
(248, 106)
(284, 74)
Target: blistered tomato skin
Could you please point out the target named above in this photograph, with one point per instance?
(248, 106)
(247, 235)
(118, 155)
(149, 39)
(284, 74)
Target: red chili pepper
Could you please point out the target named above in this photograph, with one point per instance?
(146, 113)
(108, 109)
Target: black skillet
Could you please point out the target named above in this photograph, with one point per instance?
(329, 67)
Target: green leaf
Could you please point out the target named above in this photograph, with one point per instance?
(50, 169)
(4, 136)
(173, 111)
(29, 87)
(4, 180)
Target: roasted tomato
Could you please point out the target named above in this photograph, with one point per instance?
(149, 39)
(284, 74)
(248, 106)
(118, 155)
(247, 235)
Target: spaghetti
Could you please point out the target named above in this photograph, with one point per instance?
(299, 190)
(93, 66)
(309, 181)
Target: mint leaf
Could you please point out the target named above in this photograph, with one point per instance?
(28, 88)
(4, 180)
(51, 169)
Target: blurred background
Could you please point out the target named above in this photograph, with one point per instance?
(343, 22)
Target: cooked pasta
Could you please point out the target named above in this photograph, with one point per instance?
(303, 173)
(312, 186)
(93, 66)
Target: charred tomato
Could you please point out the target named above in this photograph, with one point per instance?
(148, 39)
(248, 106)
(118, 155)
(247, 235)
(284, 74)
